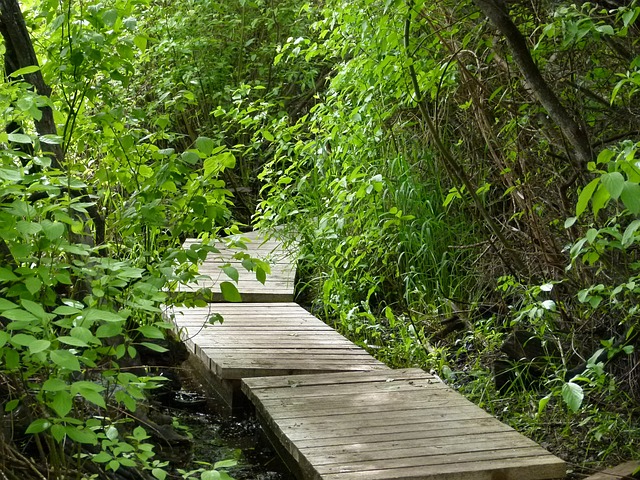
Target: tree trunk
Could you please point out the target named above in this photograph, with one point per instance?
(497, 14)
(19, 54)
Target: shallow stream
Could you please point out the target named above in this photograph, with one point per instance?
(218, 437)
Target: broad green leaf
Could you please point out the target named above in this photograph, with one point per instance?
(11, 405)
(33, 284)
(20, 138)
(631, 197)
(627, 237)
(585, 196)
(20, 315)
(205, 145)
(61, 403)
(572, 395)
(109, 330)
(109, 17)
(614, 183)
(23, 340)
(66, 310)
(25, 71)
(261, 275)
(51, 139)
(7, 304)
(7, 275)
(39, 346)
(81, 435)
(225, 463)
(230, 292)
(149, 331)
(65, 359)
(4, 338)
(231, 272)
(159, 473)
(102, 457)
(154, 347)
(58, 432)
(34, 308)
(92, 396)
(73, 341)
(92, 315)
(10, 175)
(54, 385)
(38, 426)
(53, 230)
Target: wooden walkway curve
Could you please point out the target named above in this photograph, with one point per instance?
(333, 411)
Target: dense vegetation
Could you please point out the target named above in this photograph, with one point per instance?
(463, 178)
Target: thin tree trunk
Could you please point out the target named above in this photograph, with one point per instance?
(497, 14)
(20, 54)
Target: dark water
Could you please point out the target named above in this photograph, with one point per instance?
(217, 437)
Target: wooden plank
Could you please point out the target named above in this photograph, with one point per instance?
(263, 340)
(619, 472)
(279, 286)
(392, 425)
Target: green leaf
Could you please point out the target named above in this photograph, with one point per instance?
(109, 330)
(154, 347)
(20, 315)
(614, 183)
(61, 403)
(261, 275)
(11, 405)
(205, 145)
(20, 138)
(34, 308)
(81, 435)
(51, 139)
(7, 275)
(33, 284)
(267, 135)
(150, 331)
(90, 395)
(628, 236)
(53, 230)
(25, 71)
(38, 426)
(58, 432)
(23, 340)
(73, 341)
(225, 463)
(54, 385)
(102, 457)
(631, 197)
(585, 196)
(572, 395)
(159, 473)
(39, 346)
(231, 272)
(109, 17)
(66, 310)
(230, 292)
(93, 315)
(6, 304)
(65, 359)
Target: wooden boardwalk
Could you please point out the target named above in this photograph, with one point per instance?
(332, 410)
(278, 288)
(393, 424)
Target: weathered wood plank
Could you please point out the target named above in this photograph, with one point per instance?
(261, 340)
(279, 285)
(392, 425)
(619, 472)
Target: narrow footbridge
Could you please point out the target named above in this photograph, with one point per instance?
(332, 411)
